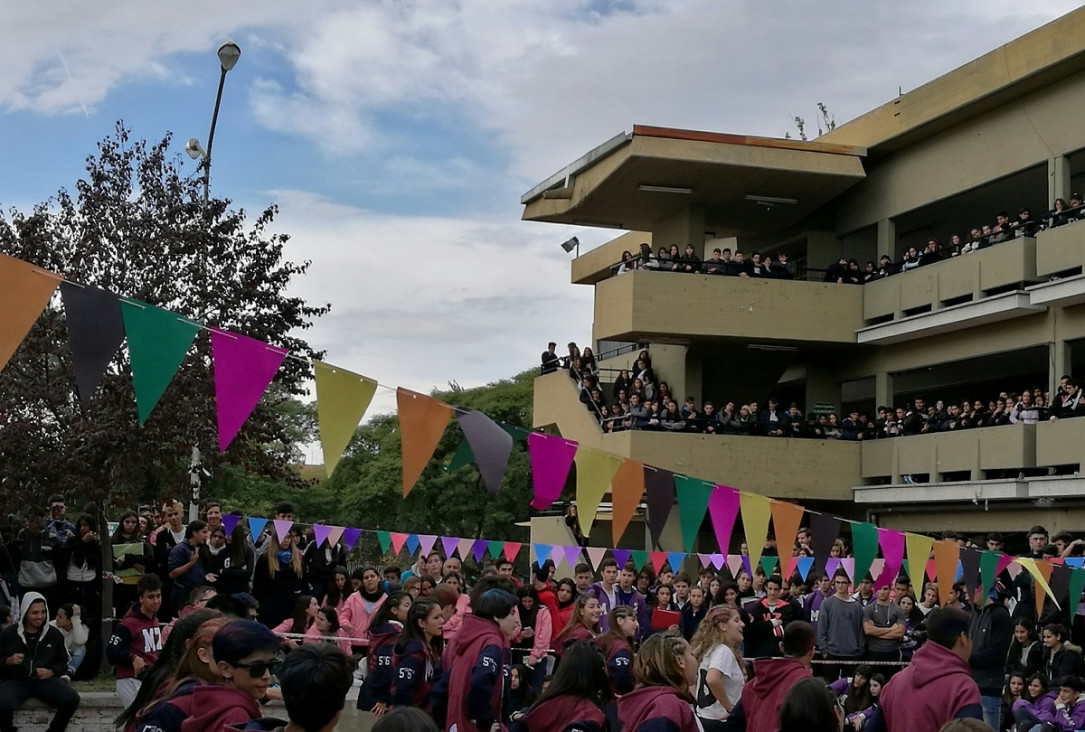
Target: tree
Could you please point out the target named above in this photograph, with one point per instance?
(137, 226)
(826, 121)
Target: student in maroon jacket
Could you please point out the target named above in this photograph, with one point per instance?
(137, 639)
(384, 630)
(617, 651)
(665, 668)
(480, 658)
(576, 695)
(416, 658)
(759, 707)
(583, 624)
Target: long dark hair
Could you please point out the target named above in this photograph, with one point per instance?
(299, 622)
(582, 673)
(527, 617)
(412, 630)
(384, 612)
(808, 707)
(119, 537)
(859, 698)
(1015, 657)
(614, 634)
(236, 547)
(333, 595)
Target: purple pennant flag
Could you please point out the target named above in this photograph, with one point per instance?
(243, 369)
(892, 544)
(425, 543)
(282, 528)
(659, 494)
(705, 560)
(551, 457)
(229, 521)
(826, 530)
(491, 445)
(572, 555)
(723, 508)
(621, 556)
(478, 549)
(746, 564)
(831, 565)
(718, 560)
(350, 537)
(320, 533)
(448, 543)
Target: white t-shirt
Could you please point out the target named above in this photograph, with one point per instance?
(721, 658)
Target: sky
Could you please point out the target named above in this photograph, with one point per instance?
(398, 136)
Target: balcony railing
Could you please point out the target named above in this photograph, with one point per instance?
(965, 455)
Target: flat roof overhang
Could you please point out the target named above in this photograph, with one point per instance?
(720, 173)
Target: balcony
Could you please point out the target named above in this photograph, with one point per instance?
(645, 305)
(1060, 249)
(968, 452)
(1061, 443)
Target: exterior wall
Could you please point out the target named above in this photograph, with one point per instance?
(1061, 443)
(590, 267)
(1060, 249)
(1010, 447)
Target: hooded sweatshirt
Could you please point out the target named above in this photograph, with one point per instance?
(1049, 710)
(135, 635)
(763, 695)
(657, 709)
(414, 668)
(200, 707)
(44, 650)
(560, 712)
(934, 688)
(377, 686)
(479, 666)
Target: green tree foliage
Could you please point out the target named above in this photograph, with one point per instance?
(137, 226)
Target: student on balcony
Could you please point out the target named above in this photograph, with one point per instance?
(1025, 411)
(1068, 402)
(773, 421)
(783, 269)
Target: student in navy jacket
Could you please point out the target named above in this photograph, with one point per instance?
(479, 660)
(664, 669)
(617, 649)
(576, 695)
(416, 658)
(384, 631)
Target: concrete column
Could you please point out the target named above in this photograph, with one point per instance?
(1060, 363)
(883, 389)
(821, 386)
(887, 238)
(1058, 178)
(684, 227)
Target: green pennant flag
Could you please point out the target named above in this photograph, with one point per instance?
(864, 539)
(496, 548)
(768, 564)
(989, 569)
(693, 495)
(385, 540)
(157, 343)
(639, 558)
(1077, 585)
(461, 458)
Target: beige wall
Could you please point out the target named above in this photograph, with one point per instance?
(590, 267)
(994, 448)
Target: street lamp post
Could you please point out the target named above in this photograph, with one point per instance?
(228, 53)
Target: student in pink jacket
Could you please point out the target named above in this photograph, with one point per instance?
(325, 626)
(532, 639)
(361, 606)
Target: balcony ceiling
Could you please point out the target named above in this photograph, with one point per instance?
(604, 187)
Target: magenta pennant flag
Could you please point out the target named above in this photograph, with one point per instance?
(551, 457)
(449, 544)
(478, 549)
(572, 555)
(350, 536)
(595, 555)
(335, 533)
(243, 369)
(1005, 561)
(892, 544)
(282, 528)
(320, 534)
(398, 540)
(717, 561)
(723, 508)
(425, 543)
(229, 521)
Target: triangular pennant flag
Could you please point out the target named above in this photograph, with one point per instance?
(659, 495)
(243, 369)
(425, 543)
(557, 555)
(723, 510)
(551, 457)
(95, 332)
(848, 565)
(892, 544)
(1004, 562)
(1059, 582)
(572, 556)
(157, 343)
(786, 518)
(946, 554)
(831, 565)
(490, 444)
(449, 543)
(693, 496)
(756, 511)
(877, 566)
(970, 568)
(864, 545)
(1014, 569)
(341, 400)
(542, 552)
(768, 565)
(704, 559)
(256, 526)
(919, 548)
(464, 547)
(1075, 562)
(511, 549)
(594, 471)
(988, 569)
(229, 522)
(932, 570)
(621, 556)
(639, 557)
(675, 559)
(746, 564)
(717, 561)
(1077, 586)
(595, 555)
(626, 492)
(25, 290)
(658, 560)
(282, 528)
(320, 534)
(412, 543)
(804, 565)
(826, 530)
(1040, 572)
(478, 550)
(422, 421)
(461, 458)
(495, 547)
(385, 540)
(350, 536)
(335, 533)
(398, 540)
(734, 564)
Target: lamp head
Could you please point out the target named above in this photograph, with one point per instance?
(229, 52)
(570, 244)
(194, 148)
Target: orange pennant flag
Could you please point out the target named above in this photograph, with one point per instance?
(422, 421)
(946, 554)
(626, 492)
(24, 292)
(786, 518)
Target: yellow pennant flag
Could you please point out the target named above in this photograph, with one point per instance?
(756, 512)
(341, 400)
(594, 471)
(919, 550)
(24, 292)
(1041, 572)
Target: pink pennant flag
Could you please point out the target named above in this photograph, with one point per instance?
(658, 560)
(1004, 561)
(717, 561)
(243, 369)
(320, 533)
(464, 547)
(705, 560)
(335, 533)
(877, 566)
(282, 528)
(398, 540)
(557, 554)
(449, 543)
(572, 555)
(425, 544)
(892, 544)
(723, 508)
(595, 555)
(1013, 569)
(848, 564)
(551, 457)
(734, 563)
(511, 549)
(932, 571)
(229, 522)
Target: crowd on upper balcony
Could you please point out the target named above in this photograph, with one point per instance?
(722, 262)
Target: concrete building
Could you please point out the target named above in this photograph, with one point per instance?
(1002, 132)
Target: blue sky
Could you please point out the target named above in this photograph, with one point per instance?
(392, 132)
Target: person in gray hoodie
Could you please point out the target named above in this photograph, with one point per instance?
(33, 663)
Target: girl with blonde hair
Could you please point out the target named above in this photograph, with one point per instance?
(664, 669)
(721, 672)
